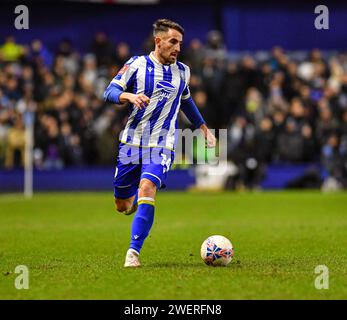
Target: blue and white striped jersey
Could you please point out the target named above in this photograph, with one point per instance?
(165, 85)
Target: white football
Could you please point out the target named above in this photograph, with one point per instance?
(217, 251)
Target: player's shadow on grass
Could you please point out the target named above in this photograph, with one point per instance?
(164, 265)
(175, 265)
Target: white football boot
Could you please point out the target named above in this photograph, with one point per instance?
(132, 259)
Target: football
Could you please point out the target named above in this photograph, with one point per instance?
(217, 251)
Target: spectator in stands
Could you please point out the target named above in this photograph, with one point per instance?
(194, 54)
(332, 158)
(248, 74)
(326, 124)
(12, 89)
(10, 51)
(106, 144)
(103, 49)
(212, 76)
(89, 73)
(276, 54)
(39, 54)
(122, 53)
(215, 47)
(26, 103)
(309, 145)
(200, 98)
(240, 137)
(290, 142)
(14, 153)
(4, 126)
(231, 87)
(264, 141)
(68, 57)
(253, 105)
(75, 151)
(276, 100)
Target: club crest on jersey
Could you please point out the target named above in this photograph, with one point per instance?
(165, 89)
(123, 70)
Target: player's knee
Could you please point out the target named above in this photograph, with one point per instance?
(147, 188)
(121, 205)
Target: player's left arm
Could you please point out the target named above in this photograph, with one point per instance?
(193, 114)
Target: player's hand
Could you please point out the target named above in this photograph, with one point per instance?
(140, 101)
(211, 140)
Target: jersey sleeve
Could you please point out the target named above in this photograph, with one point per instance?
(124, 77)
(186, 91)
(188, 107)
(121, 82)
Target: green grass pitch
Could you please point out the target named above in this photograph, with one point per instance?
(74, 246)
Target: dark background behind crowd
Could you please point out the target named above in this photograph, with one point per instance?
(278, 106)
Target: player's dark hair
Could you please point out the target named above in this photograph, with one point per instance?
(163, 25)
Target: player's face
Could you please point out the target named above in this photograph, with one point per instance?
(169, 45)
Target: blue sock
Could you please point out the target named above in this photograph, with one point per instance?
(142, 223)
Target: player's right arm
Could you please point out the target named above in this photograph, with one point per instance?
(116, 92)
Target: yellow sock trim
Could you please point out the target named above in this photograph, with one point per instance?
(146, 202)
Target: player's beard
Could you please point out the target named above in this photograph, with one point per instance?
(172, 59)
(168, 58)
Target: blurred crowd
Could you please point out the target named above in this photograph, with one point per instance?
(278, 106)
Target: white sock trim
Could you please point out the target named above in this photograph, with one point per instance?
(145, 198)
